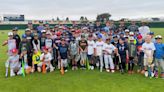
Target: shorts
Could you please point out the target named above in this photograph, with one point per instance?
(148, 61)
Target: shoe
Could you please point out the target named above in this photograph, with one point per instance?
(76, 68)
(12, 73)
(107, 70)
(146, 74)
(112, 71)
(73, 68)
(66, 71)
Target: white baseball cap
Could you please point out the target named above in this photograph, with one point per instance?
(131, 33)
(131, 38)
(126, 30)
(43, 31)
(10, 33)
(158, 37)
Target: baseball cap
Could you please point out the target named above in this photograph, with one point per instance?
(99, 35)
(127, 30)
(131, 33)
(15, 29)
(158, 37)
(10, 33)
(27, 29)
(43, 31)
(139, 37)
(45, 48)
(24, 36)
(151, 33)
(48, 33)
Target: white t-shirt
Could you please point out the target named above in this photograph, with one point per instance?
(11, 45)
(90, 47)
(47, 57)
(14, 61)
(109, 48)
(144, 30)
(148, 48)
(99, 48)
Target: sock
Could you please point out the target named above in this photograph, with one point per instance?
(6, 71)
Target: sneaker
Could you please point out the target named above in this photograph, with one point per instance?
(107, 70)
(112, 71)
(146, 74)
(76, 68)
(156, 74)
(66, 71)
(12, 73)
(39, 69)
(73, 68)
(152, 74)
(92, 67)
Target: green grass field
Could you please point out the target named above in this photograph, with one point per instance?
(77, 81)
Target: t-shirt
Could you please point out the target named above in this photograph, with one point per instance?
(159, 53)
(139, 47)
(122, 49)
(148, 48)
(99, 47)
(133, 28)
(11, 45)
(63, 51)
(49, 43)
(108, 48)
(46, 57)
(83, 44)
(14, 61)
(90, 47)
(57, 41)
(42, 41)
(73, 48)
(36, 57)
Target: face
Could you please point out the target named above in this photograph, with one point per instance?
(15, 32)
(10, 37)
(133, 22)
(48, 36)
(24, 52)
(35, 37)
(148, 39)
(45, 51)
(121, 41)
(28, 32)
(159, 40)
(140, 40)
(62, 42)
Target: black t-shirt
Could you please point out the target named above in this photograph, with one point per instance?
(17, 38)
(63, 51)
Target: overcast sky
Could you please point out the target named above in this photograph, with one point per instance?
(48, 9)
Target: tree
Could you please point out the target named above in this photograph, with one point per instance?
(82, 18)
(67, 19)
(57, 19)
(103, 17)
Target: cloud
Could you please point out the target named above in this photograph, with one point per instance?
(47, 9)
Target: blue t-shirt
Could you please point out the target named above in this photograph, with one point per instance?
(159, 53)
(63, 51)
(122, 49)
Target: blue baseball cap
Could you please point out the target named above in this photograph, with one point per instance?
(151, 33)
(99, 35)
(24, 36)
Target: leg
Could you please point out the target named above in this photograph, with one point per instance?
(101, 63)
(111, 63)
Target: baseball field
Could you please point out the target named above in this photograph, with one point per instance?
(76, 81)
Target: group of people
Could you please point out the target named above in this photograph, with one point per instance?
(106, 47)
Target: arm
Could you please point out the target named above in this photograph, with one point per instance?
(4, 43)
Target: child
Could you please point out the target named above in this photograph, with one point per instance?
(132, 54)
(90, 51)
(98, 52)
(13, 63)
(36, 42)
(140, 54)
(63, 55)
(108, 49)
(36, 61)
(148, 49)
(24, 60)
(83, 45)
(11, 43)
(46, 58)
(159, 56)
(73, 47)
(123, 54)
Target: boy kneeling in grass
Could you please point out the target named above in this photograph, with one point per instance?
(159, 56)
(46, 58)
(13, 63)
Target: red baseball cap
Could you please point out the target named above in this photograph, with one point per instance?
(45, 48)
(139, 37)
